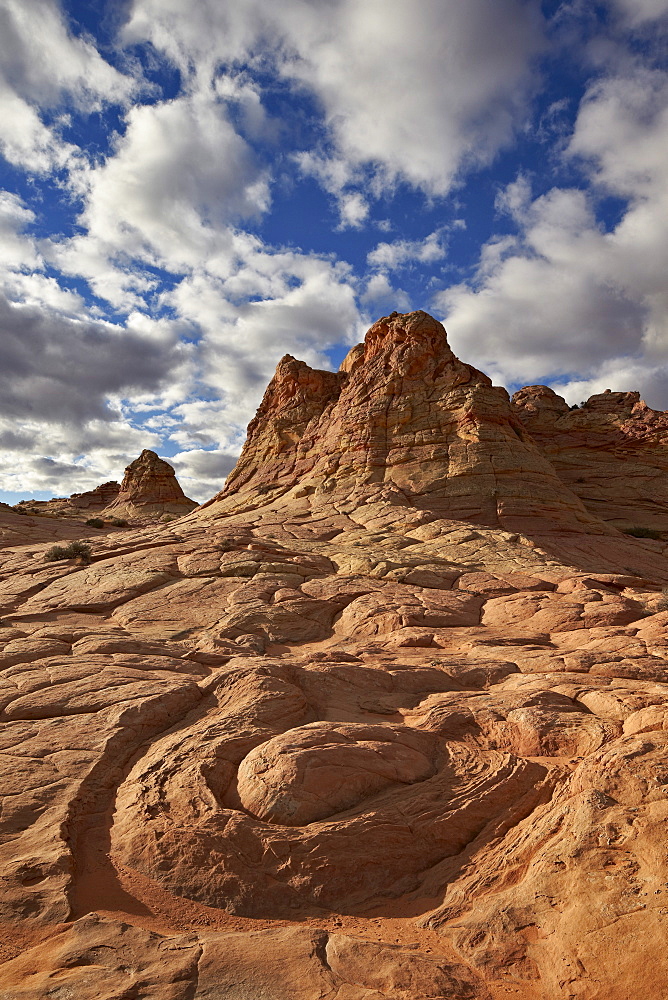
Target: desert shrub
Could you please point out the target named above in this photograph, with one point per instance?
(640, 532)
(95, 522)
(75, 550)
(663, 600)
(226, 545)
(119, 522)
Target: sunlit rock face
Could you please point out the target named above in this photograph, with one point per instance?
(386, 718)
(404, 412)
(150, 487)
(612, 451)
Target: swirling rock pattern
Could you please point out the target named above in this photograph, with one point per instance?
(317, 770)
(386, 720)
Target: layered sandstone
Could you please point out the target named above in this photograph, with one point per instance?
(404, 412)
(612, 452)
(343, 734)
(21, 527)
(150, 488)
(76, 505)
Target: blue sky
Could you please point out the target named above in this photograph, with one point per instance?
(190, 191)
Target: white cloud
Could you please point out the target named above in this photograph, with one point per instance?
(400, 253)
(177, 177)
(621, 375)
(414, 89)
(339, 179)
(395, 92)
(621, 129)
(381, 296)
(16, 249)
(47, 456)
(202, 473)
(41, 65)
(640, 12)
(42, 60)
(21, 262)
(24, 140)
(565, 295)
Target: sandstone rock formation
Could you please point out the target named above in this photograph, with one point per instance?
(405, 413)
(89, 503)
(18, 527)
(612, 452)
(150, 487)
(149, 491)
(356, 729)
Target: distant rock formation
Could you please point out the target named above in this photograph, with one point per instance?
(91, 502)
(96, 499)
(150, 487)
(149, 491)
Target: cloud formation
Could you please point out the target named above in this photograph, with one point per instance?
(43, 67)
(411, 90)
(567, 294)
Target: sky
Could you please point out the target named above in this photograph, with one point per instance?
(189, 191)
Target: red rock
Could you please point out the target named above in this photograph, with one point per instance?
(355, 729)
(150, 487)
(405, 412)
(612, 452)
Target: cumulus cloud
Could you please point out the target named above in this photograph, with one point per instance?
(640, 12)
(178, 177)
(56, 368)
(307, 304)
(414, 89)
(42, 60)
(399, 253)
(167, 217)
(381, 295)
(42, 65)
(25, 141)
(566, 294)
(16, 249)
(60, 457)
(202, 473)
(339, 179)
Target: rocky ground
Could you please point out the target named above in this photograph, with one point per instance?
(385, 719)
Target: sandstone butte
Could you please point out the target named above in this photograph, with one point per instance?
(149, 491)
(385, 718)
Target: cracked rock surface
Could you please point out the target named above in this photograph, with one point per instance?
(387, 718)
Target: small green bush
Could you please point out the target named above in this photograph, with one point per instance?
(639, 532)
(75, 550)
(95, 522)
(119, 522)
